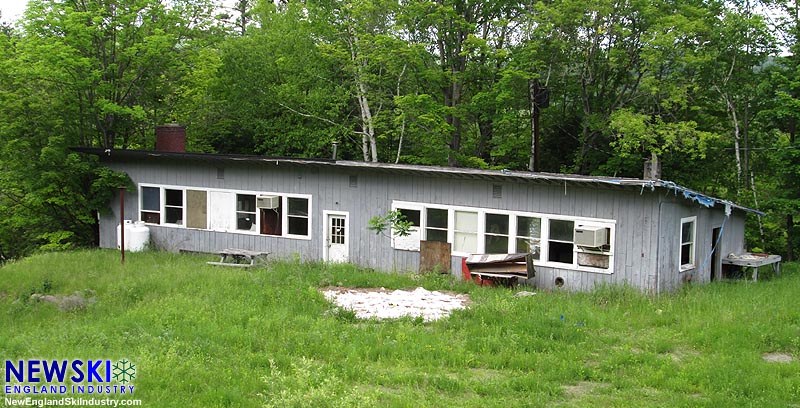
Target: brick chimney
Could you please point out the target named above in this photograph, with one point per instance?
(171, 138)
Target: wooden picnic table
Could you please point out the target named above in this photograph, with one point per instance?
(241, 258)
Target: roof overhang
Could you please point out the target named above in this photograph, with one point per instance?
(112, 155)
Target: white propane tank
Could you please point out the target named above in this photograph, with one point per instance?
(128, 224)
(137, 236)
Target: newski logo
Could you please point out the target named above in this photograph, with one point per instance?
(86, 376)
(56, 371)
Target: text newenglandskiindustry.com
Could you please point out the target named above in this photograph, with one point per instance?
(71, 402)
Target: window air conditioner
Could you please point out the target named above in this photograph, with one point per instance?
(268, 202)
(592, 237)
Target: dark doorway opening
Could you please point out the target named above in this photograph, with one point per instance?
(715, 252)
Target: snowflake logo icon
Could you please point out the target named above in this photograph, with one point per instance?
(124, 371)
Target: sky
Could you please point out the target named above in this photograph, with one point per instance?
(12, 9)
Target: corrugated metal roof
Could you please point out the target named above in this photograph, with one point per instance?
(419, 170)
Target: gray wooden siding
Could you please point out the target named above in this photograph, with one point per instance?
(647, 229)
(675, 208)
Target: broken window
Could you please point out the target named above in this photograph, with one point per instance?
(529, 234)
(245, 212)
(151, 205)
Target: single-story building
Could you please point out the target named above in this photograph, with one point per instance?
(582, 230)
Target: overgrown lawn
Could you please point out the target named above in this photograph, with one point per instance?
(214, 336)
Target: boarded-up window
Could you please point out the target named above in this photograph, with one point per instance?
(297, 216)
(196, 209)
(173, 206)
(436, 224)
(529, 234)
(466, 232)
(561, 242)
(496, 238)
(221, 208)
(151, 205)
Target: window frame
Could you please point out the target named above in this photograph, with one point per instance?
(510, 247)
(693, 249)
(160, 210)
(232, 217)
(166, 206)
(514, 215)
(411, 241)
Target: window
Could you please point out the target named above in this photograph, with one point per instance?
(245, 212)
(173, 206)
(412, 216)
(529, 233)
(496, 238)
(465, 238)
(272, 220)
(409, 242)
(557, 241)
(297, 216)
(436, 221)
(687, 242)
(196, 209)
(560, 244)
(151, 205)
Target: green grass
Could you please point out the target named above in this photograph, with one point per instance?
(211, 336)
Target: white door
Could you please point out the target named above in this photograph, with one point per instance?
(336, 237)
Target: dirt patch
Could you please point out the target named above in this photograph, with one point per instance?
(583, 388)
(68, 303)
(777, 358)
(381, 303)
(680, 355)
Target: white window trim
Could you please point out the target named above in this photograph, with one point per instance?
(164, 206)
(693, 253)
(401, 243)
(160, 202)
(544, 233)
(232, 216)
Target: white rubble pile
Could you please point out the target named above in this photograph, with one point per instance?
(384, 304)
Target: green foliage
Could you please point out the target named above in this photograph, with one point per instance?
(394, 220)
(698, 84)
(274, 340)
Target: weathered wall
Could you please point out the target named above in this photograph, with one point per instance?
(638, 214)
(672, 210)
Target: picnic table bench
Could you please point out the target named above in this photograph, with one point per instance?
(241, 258)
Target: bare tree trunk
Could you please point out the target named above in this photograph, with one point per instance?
(400, 143)
(369, 144)
(736, 138)
(755, 202)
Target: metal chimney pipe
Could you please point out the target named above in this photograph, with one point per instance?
(335, 149)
